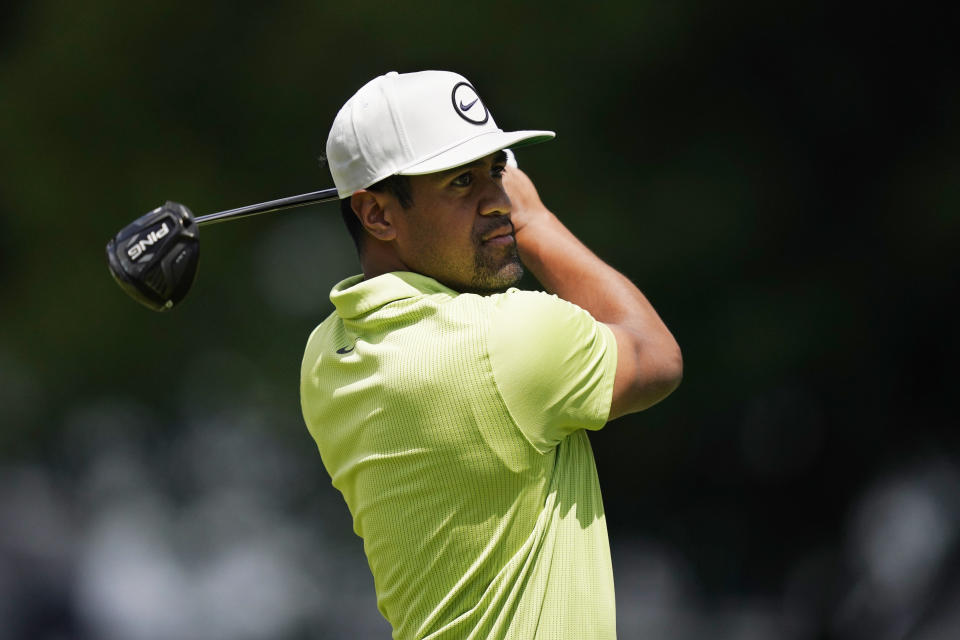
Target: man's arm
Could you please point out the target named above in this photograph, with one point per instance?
(649, 363)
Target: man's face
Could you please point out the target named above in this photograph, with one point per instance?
(458, 230)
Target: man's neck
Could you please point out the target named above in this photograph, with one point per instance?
(378, 258)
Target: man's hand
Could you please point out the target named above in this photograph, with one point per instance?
(525, 203)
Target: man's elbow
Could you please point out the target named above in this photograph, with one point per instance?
(654, 382)
(646, 374)
(666, 379)
(673, 370)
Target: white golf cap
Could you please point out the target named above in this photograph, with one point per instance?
(411, 124)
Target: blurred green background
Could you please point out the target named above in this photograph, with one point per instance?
(781, 179)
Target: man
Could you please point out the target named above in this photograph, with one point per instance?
(449, 409)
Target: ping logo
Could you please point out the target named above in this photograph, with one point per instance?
(468, 104)
(136, 250)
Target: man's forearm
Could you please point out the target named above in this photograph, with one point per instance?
(565, 266)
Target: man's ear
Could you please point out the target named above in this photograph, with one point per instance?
(371, 208)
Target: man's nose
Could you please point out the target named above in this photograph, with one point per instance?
(495, 200)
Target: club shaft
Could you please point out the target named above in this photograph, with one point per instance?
(325, 195)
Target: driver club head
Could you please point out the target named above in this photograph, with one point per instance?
(154, 258)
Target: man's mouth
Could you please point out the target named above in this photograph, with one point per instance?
(500, 235)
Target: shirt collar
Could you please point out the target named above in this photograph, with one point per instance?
(355, 296)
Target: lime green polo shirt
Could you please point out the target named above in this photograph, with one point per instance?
(454, 426)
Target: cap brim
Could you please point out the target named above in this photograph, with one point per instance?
(474, 148)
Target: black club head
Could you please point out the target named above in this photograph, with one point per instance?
(154, 258)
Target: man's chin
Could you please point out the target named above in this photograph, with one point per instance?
(504, 278)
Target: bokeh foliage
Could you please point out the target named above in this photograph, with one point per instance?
(781, 179)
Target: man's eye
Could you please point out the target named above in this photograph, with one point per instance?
(498, 172)
(463, 180)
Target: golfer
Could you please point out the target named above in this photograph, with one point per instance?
(451, 410)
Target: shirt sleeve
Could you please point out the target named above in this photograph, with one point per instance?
(553, 364)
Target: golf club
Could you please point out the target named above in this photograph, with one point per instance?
(154, 258)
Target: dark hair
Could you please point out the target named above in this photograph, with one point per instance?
(396, 185)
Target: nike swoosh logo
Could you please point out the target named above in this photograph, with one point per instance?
(343, 350)
(466, 107)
